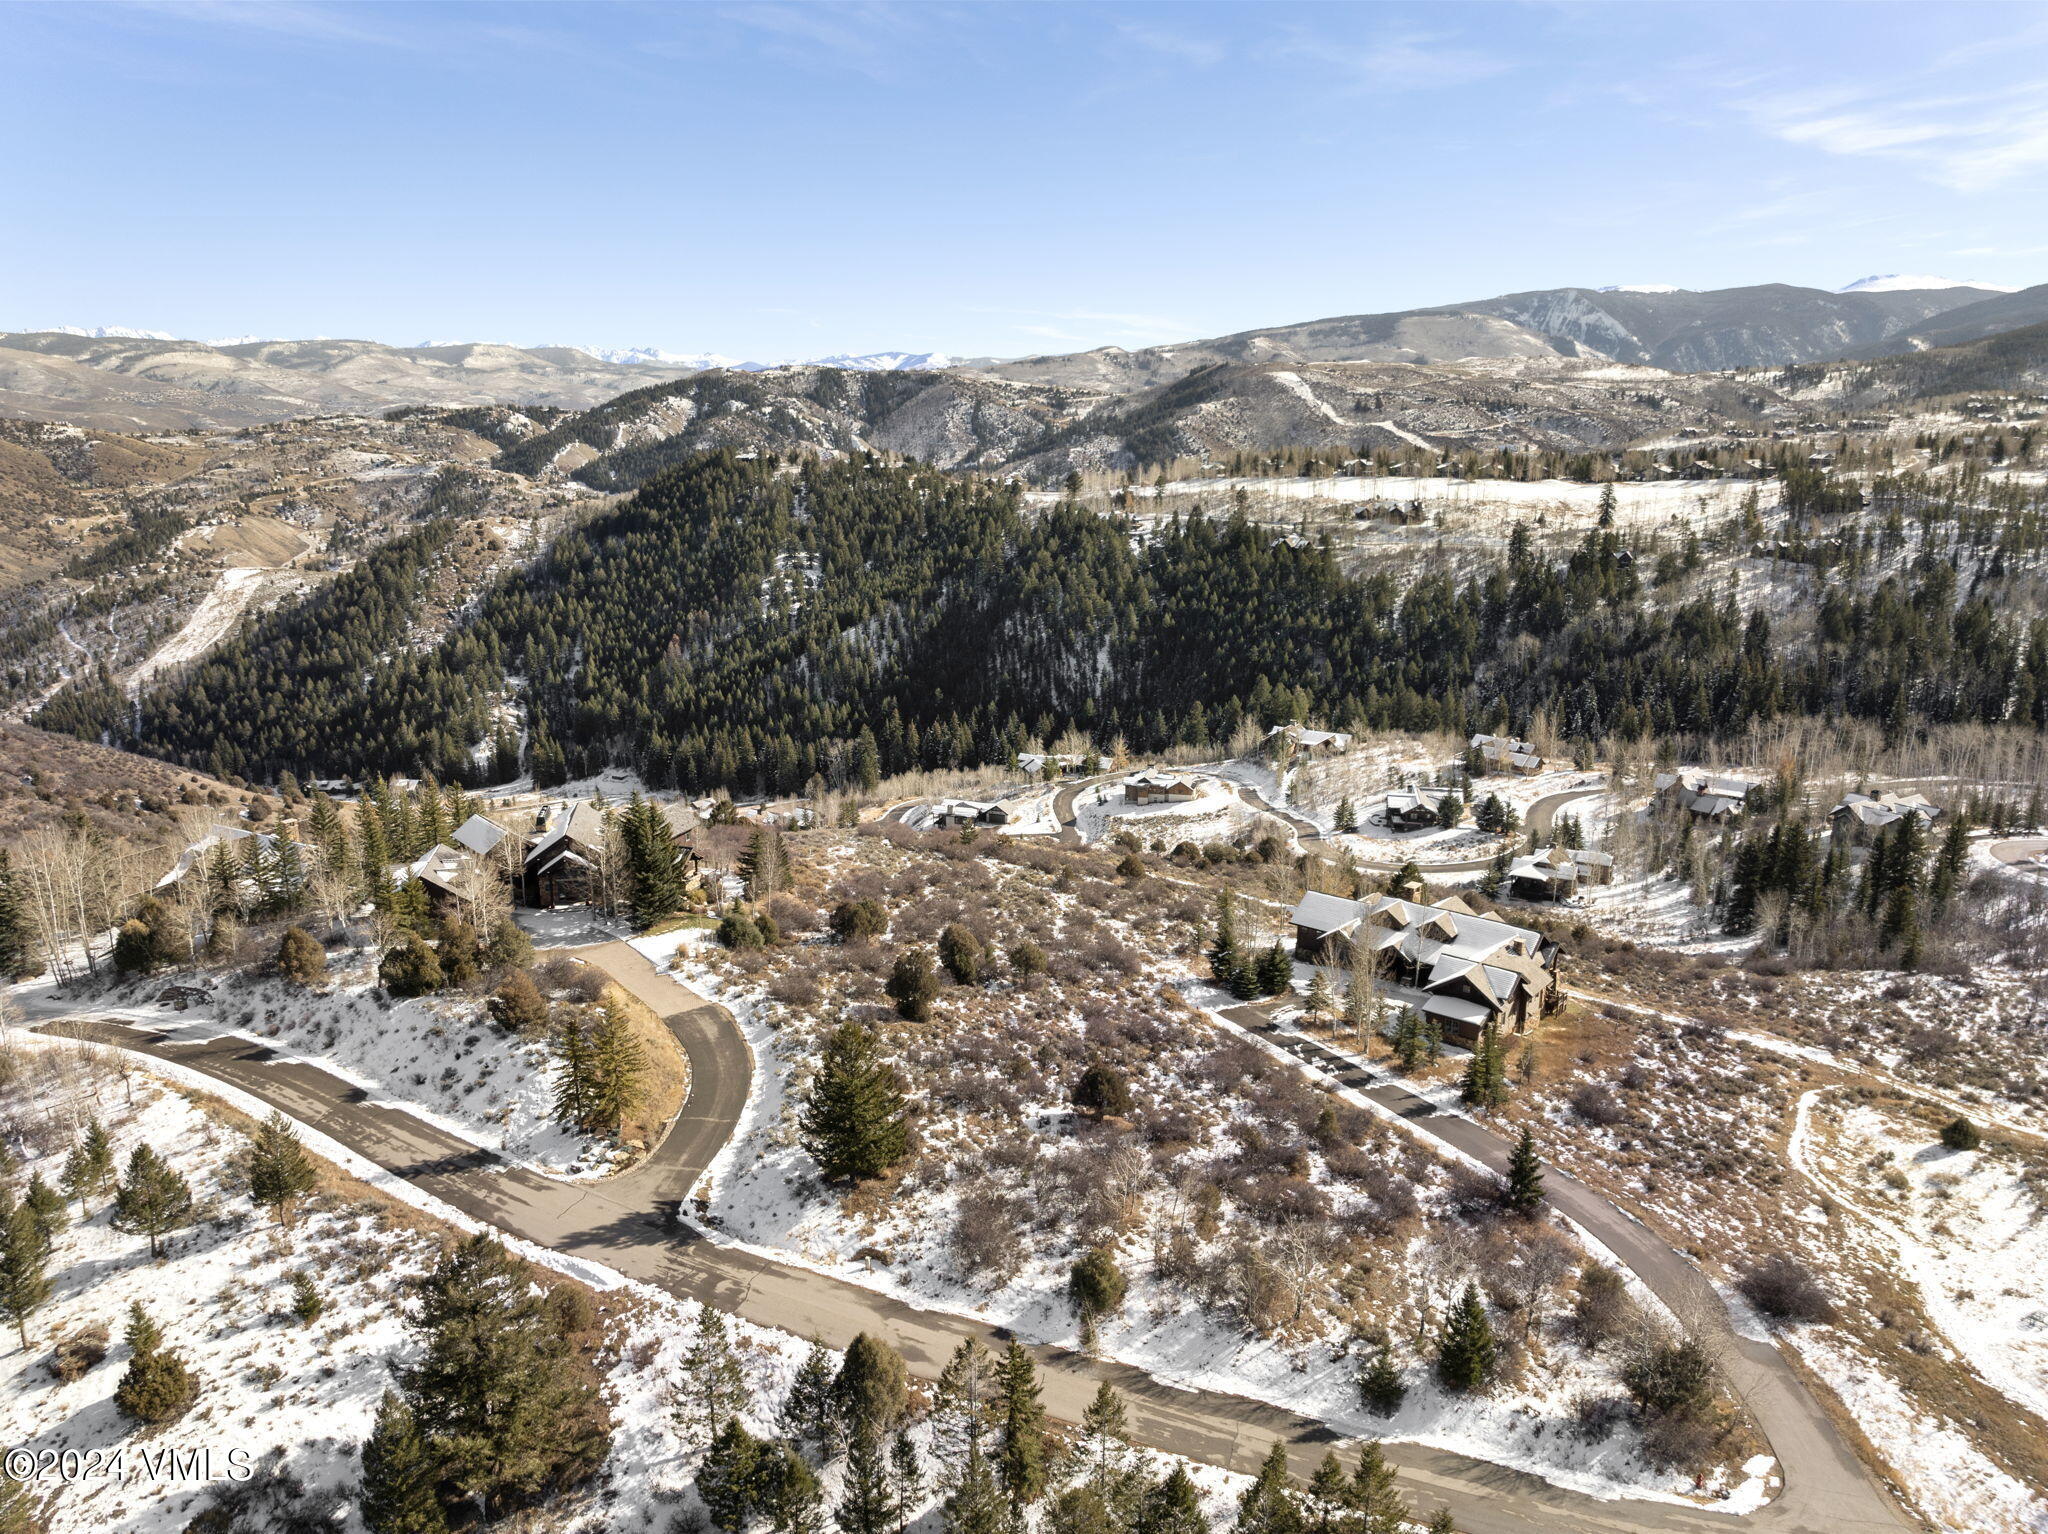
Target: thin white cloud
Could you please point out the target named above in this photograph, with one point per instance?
(1199, 51)
(1405, 60)
(280, 18)
(1969, 142)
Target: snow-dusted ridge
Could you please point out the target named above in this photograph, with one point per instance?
(1916, 282)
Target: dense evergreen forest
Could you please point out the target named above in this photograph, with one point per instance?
(749, 625)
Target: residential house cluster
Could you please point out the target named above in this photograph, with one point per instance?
(1557, 873)
(1306, 742)
(1443, 960)
(1700, 791)
(1503, 753)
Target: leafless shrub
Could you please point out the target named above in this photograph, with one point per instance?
(1596, 1103)
(988, 1236)
(77, 1352)
(1783, 1288)
(794, 915)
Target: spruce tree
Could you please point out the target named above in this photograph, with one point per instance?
(963, 1404)
(1466, 1354)
(867, 1501)
(854, 1124)
(156, 1387)
(279, 1170)
(398, 1494)
(1269, 1504)
(1522, 1193)
(906, 1476)
(575, 1074)
(1021, 1418)
(714, 1387)
(24, 1268)
(18, 958)
(1381, 1389)
(1276, 972)
(152, 1198)
(976, 1503)
(46, 1207)
(1377, 1507)
(1225, 962)
(495, 1389)
(1328, 1491)
(1318, 1003)
(1174, 1506)
(790, 1494)
(410, 968)
(730, 1479)
(89, 1169)
(808, 1413)
(1347, 817)
(618, 1070)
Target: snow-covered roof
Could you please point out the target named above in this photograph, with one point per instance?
(479, 835)
(1884, 808)
(1302, 735)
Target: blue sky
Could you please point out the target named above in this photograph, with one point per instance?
(781, 179)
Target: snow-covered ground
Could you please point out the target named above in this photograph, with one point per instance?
(1563, 503)
(439, 1057)
(1965, 1227)
(1218, 814)
(213, 620)
(764, 1196)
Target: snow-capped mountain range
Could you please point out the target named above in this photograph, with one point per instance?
(863, 362)
(1916, 282)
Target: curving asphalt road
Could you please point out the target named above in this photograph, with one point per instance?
(628, 1223)
(2019, 852)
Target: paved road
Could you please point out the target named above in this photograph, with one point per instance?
(1541, 813)
(625, 1223)
(2022, 850)
(1827, 1487)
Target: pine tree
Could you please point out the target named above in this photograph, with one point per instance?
(873, 1386)
(517, 1005)
(1441, 1522)
(1381, 1389)
(618, 1069)
(854, 1122)
(809, 1414)
(963, 1404)
(1318, 1003)
(1485, 1084)
(976, 1503)
(18, 957)
(46, 1207)
(730, 1479)
(1269, 1504)
(1021, 1457)
(495, 1388)
(656, 885)
(1328, 1491)
(1522, 1193)
(411, 968)
(24, 1263)
(575, 1074)
(1276, 972)
(1466, 1354)
(157, 1387)
(279, 1170)
(1225, 962)
(906, 1476)
(867, 1502)
(398, 1493)
(308, 1305)
(152, 1198)
(1376, 1505)
(89, 1169)
(1347, 816)
(714, 1387)
(1174, 1506)
(790, 1493)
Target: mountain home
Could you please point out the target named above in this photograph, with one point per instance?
(1710, 795)
(1413, 809)
(1860, 816)
(1306, 742)
(1443, 960)
(1558, 873)
(1159, 788)
(1502, 753)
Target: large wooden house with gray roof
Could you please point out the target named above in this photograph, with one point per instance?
(1444, 960)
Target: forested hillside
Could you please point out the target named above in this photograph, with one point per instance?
(745, 624)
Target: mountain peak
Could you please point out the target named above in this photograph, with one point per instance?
(1915, 282)
(1640, 287)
